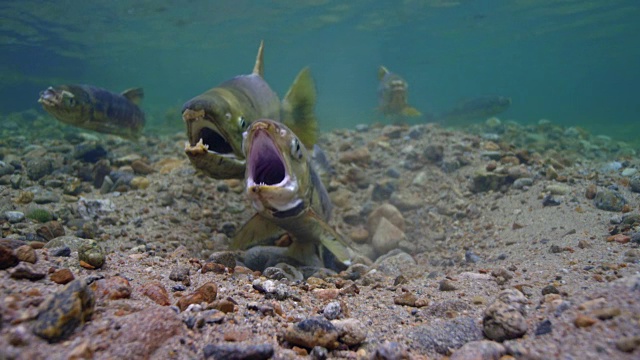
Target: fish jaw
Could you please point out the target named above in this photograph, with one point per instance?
(209, 149)
(272, 186)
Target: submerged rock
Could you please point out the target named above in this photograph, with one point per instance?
(609, 200)
(63, 311)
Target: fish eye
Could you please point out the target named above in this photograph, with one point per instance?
(242, 122)
(296, 151)
(70, 101)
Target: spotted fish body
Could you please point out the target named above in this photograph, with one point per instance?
(479, 108)
(93, 108)
(289, 197)
(216, 119)
(392, 96)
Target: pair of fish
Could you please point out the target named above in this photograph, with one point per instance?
(96, 109)
(393, 103)
(281, 181)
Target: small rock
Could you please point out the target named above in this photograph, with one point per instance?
(634, 183)
(63, 311)
(550, 289)
(38, 168)
(226, 258)
(26, 271)
(405, 299)
(607, 313)
(628, 344)
(112, 288)
(522, 182)
(445, 336)
(179, 273)
(350, 331)
(549, 200)
(155, 291)
(360, 156)
(238, 351)
(141, 167)
(504, 318)
(91, 253)
(206, 293)
(7, 258)
(62, 276)
(544, 327)
(50, 230)
(447, 285)
(591, 191)
(332, 310)
(386, 211)
(557, 189)
(14, 217)
(315, 331)
(584, 321)
(63, 251)
(390, 351)
(609, 200)
(27, 254)
(480, 350)
(386, 236)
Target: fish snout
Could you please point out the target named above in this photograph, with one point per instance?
(190, 116)
(49, 97)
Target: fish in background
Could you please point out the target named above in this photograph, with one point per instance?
(216, 119)
(96, 109)
(289, 197)
(479, 108)
(392, 96)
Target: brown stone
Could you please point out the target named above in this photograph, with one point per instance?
(27, 254)
(141, 167)
(7, 258)
(584, 321)
(113, 288)
(156, 292)
(62, 276)
(206, 293)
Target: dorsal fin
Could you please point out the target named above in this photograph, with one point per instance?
(258, 69)
(382, 71)
(134, 95)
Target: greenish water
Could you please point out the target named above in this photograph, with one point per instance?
(572, 62)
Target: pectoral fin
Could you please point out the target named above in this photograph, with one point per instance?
(134, 95)
(330, 240)
(410, 111)
(382, 71)
(257, 231)
(298, 106)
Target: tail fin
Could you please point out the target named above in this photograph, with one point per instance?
(258, 68)
(298, 107)
(410, 111)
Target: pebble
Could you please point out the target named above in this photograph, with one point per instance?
(445, 336)
(607, 313)
(360, 156)
(90, 152)
(406, 299)
(155, 291)
(112, 288)
(634, 183)
(141, 167)
(544, 327)
(351, 331)
(27, 254)
(386, 236)
(62, 276)
(179, 273)
(549, 200)
(480, 350)
(5, 169)
(359, 235)
(591, 191)
(386, 211)
(484, 181)
(628, 344)
(7, 258)
(226, 258)
(394, 263)
(63, 311)
(91, 253)
(447, 285)
(557, 189)
(583, 320)
(550, 289)
(90, 209)
(283, 271)
(46, 197)
(143, 332)
(62, 251)
(522, 182)
(504, 318)
(629, 172)
(14, 216)
(205, 293)
(50, 230)
(609, 200)
(238, 351)
(314, 331)
(390, 350)
(38, 168)
(26, 271)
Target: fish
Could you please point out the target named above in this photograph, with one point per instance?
(481, 107)
(216, 119)
(289, 197)
(93, 108)
(392, 96)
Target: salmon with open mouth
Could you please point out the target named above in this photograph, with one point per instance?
(288, 196)
(216, 119)
(393, 96)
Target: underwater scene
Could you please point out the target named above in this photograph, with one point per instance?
(323, 179)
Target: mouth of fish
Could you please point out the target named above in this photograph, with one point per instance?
(49, 97)
(267, 175)
(203, 135)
